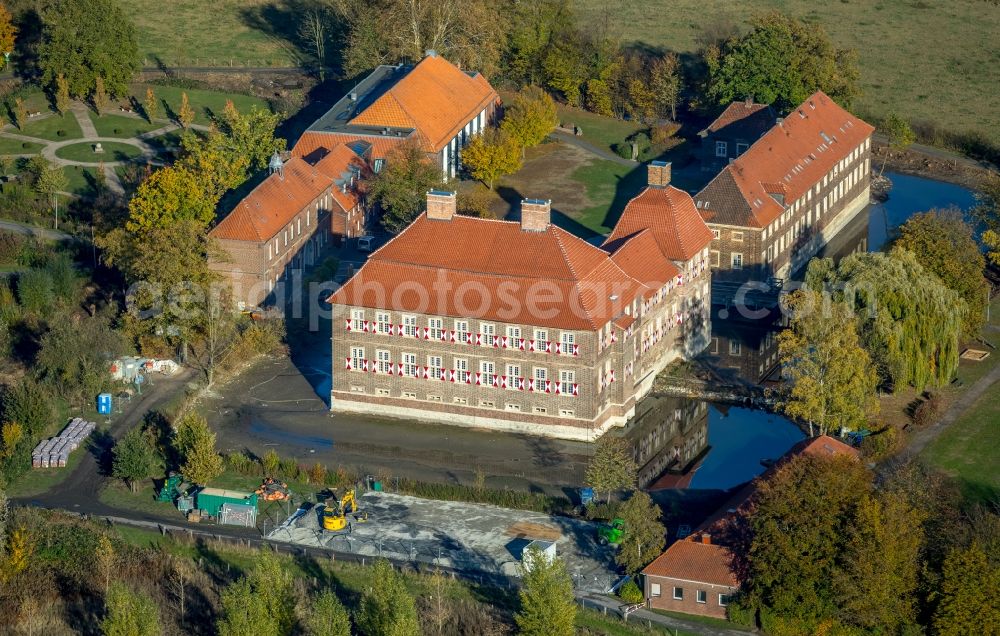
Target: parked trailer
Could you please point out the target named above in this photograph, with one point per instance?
(210, 500)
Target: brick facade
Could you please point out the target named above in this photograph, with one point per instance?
(661, 592)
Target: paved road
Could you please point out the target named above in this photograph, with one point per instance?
(78, 492)
(31, 230)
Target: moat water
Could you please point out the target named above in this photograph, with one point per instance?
(690, 445)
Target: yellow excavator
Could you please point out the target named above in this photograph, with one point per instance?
(336, 511)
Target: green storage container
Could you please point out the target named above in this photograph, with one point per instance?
(377, 486)
(210, 500)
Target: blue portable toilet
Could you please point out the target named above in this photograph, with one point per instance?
(104, 404)
(586, 495)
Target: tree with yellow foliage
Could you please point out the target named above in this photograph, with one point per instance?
(7, 34)
(491, 155)
(185, 116)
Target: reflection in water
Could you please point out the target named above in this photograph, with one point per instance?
(689, 444)
(908, 196)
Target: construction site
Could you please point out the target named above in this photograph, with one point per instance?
(458, 535)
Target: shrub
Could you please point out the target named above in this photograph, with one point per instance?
(241, 463)
(60, 133)
(117, 131)
(270, 463)
(11, 247)
(25, 145)
(881, 443)
(663, 134)
(623, 150)
(602, 511)
(630, 592)
(317, 474)
(928, 410)
(289, 469)
(740, 612)
(35, 290)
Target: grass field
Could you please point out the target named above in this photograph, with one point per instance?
(81, 181)
(931, 61)
(204, 102)
(122, 126)
(10, 146)
(84, 151)
(49, 127)
(192, 33)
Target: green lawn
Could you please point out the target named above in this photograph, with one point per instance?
(613, 626)
(113, 151)
(122, 126)
(612, 185)
(189, 33)
(39, 480)
(81, 180)
(970, 449)
(603, 132)
(49, 127)
(704, 620)
(954, 87)
(10, 146)
(204, 102)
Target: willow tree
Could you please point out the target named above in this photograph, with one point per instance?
(831, 381)
(908, 320)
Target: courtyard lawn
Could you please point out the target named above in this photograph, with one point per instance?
(610, 186)
(184, 33)
(49, 128)
(954, 88)
(81, 181)
(206, 103)
(10, 146)
(122, 126)
(603, 132)
(113, 151)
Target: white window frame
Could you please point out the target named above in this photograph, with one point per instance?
(487, 371)
(567, 340)
(436, 328)
(735, 348)
(383, 361)
(409, 365)
(513, 332)
(410, 326)
(461, 370)
(541, 335)
(383, 322)
(357, 319)
(654, 590)
(701, 596)
(678, 594)
(462, 330)
(736, 260)
(513, 373)
(567, 378)
(357, 358)
(435, 367)
(726, 603)
(488, 331)
(716, 234)
(737, 237)
(741, 148)
(721, 149)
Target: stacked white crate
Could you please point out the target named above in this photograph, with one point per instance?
(54, 452)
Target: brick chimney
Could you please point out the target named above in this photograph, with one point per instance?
(441, 205)
(535, 215)
(706, 538)
(658, 174)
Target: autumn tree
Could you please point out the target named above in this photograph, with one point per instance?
(105, 561)
(969, 591)
(386, 607)
(612, 467)
(251, 134)
(62, 94)
(908, 321)
(780, 61)
(29, 404)
(170, 195)
(401, 187)
(20, 112)
(876, 584)
(944, 244)
(644, 536)
(476, 202)
(151, 105)
(130, 613)
(16, 555)
(987, 215)
(491, 155)
(830, 380)
(133, 458)
(530, 116)
(50, 180)
(899, 136)
(797, 528)
(547, 606)
(194, 442)
(326, 616)
(85, 40)
(8, 32)
(260, 603)
(665, 85)
(100, 96)
(185, 114)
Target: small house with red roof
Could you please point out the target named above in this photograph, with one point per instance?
(523, 326)
(733, 132)
(775, 205)
(700, 573)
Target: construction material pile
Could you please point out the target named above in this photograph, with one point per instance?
(54, 452)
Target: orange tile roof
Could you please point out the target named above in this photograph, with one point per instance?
(640, 257)
(436, 99)
(509, 275)
(310, 142)
(692, 560)
(672, 217)
(734, 113)
(796, 153)
(275, 201)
